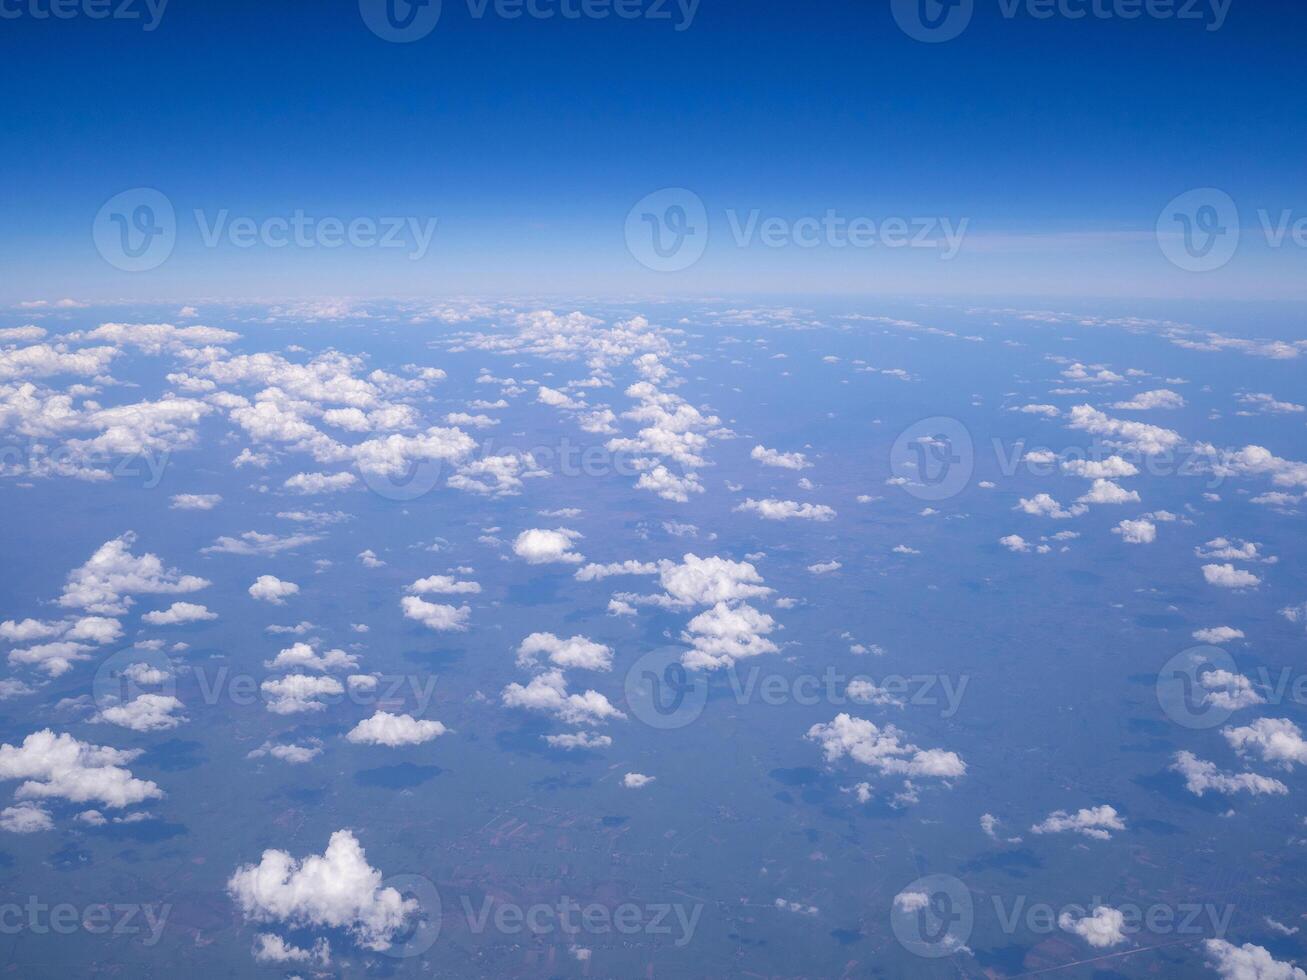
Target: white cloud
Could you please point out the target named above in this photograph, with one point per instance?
(539, 546)
(883, 749)
(108, 580)
(1107, 492)
(773, 457)
(1200, 776)
(1102, 930)
(383, 728)
(436, 616)
(337, 889)
(195, 501)
(269, 588)
(1217, 634)
(1043, 505)
(1112, 468)
(25, 818)
(1150, 440)
(270, 948)
(443, 585)
(724, 634)
(298, 692)
(1148, 400)
(178, 614)
(303, 655)
(825, 567)
(547, 692)
(144, 713)
(1229, 577)
(1136, 532)
(1097, 822)
(1277, 740)
(1014, 542)
(311, 483)
(578, 740)
(575, 652)
(636, 780)
(61, 767)
(258, 543)
(784, 510)
(292, 753)
(1248, 962)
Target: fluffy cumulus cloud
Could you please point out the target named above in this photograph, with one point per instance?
(112, 575)
(195, 501)
(1217, 634)
(1103, 929)
(636, 780)
(63, 642)
(25, 818)
(296, 693)
(1228, 577)
(436, 616)
(384, 728)
(62, 767)
(1096, 822)
(539, 546)
(883, 749)
(302, 656)
(1248, 962)
(269, 588)
(443, 585)
(178, 614)
(1148, 400)
(786, 510)
(547, 693)
(1277, 741)
(1201, 777)
(724, 634)
(271, 948)
(337, 889)
(1136, 532)
(574, 652)
(773, 457)
(1124, 434)
(144, 713)
(316, 483)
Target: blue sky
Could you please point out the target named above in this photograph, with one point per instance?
(529, 139)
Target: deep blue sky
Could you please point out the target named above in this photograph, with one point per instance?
(529, 140)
